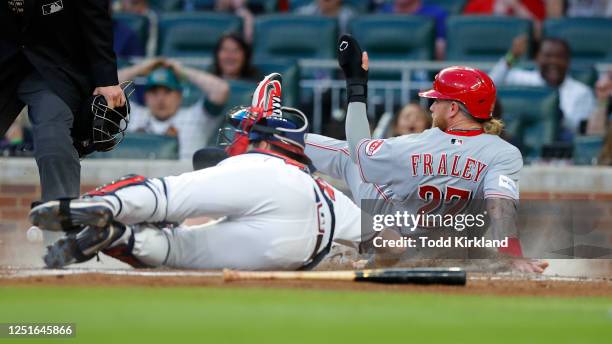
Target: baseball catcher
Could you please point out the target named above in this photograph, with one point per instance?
(461, 157)
(270, 211)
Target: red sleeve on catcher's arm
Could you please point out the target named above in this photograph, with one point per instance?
(514, 248)
(113, 186)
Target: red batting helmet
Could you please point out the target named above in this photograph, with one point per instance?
(469, 86)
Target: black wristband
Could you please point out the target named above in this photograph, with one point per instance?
(357, 90)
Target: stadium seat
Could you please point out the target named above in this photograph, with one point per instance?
(395, 37)
(452, 7)
(263, 6)
(587, 149)
(295, 4)
(195, 33)
(191, 94)
(584, 73)
(257, 6)
(143, 146)
(240, 95)
(166, 5)
(294, 36)
(291, 77)
(360, 6)
(200, 5)
(482, 38)
(589, 38)
(531, 115)
(139, 24)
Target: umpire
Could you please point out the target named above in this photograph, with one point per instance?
(55, 54)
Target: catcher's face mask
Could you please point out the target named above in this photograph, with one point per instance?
(235, 134)
(109, 125)
(102, 127)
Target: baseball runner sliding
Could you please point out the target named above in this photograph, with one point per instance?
(461, 157)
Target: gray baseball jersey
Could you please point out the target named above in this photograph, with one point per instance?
(423, 172)
(442, 165)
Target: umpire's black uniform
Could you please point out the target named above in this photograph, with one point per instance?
(53, 53)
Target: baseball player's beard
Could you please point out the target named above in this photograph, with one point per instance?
(439, 122)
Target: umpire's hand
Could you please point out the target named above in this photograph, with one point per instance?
(113, 95)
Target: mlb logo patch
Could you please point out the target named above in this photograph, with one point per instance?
(53, 7)
(457, 142)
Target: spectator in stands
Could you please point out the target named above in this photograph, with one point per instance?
(577, 101)
(589, 8)
(603, 91)
(416, 7)
(239, 8)
(136, 6)
(534, 10)
(330, 8)
(411, 119)
(528, 9)
(163, 115)
(233, 59)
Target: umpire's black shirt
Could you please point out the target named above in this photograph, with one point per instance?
(69, 42)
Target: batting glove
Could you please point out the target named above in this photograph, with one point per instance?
(349, 59)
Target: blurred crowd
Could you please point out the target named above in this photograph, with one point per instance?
(160, 108)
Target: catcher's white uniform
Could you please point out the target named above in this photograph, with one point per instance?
(272, 214)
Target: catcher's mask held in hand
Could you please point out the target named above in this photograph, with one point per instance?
(266, 102)
(101, 128)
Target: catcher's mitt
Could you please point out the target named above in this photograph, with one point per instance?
(98, 128)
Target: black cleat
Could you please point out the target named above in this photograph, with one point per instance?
(82, 246)
(66, 215)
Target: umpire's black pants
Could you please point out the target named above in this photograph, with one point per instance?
(57, 159)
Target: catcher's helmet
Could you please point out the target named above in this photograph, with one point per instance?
(286, 129)
(469, 86)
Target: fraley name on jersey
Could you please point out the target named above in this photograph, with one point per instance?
(424, 164)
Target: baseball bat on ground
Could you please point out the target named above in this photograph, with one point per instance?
(446, 276)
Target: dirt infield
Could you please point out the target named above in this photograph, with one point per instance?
(478, 284)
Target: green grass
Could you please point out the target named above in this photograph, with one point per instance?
(206, 315)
